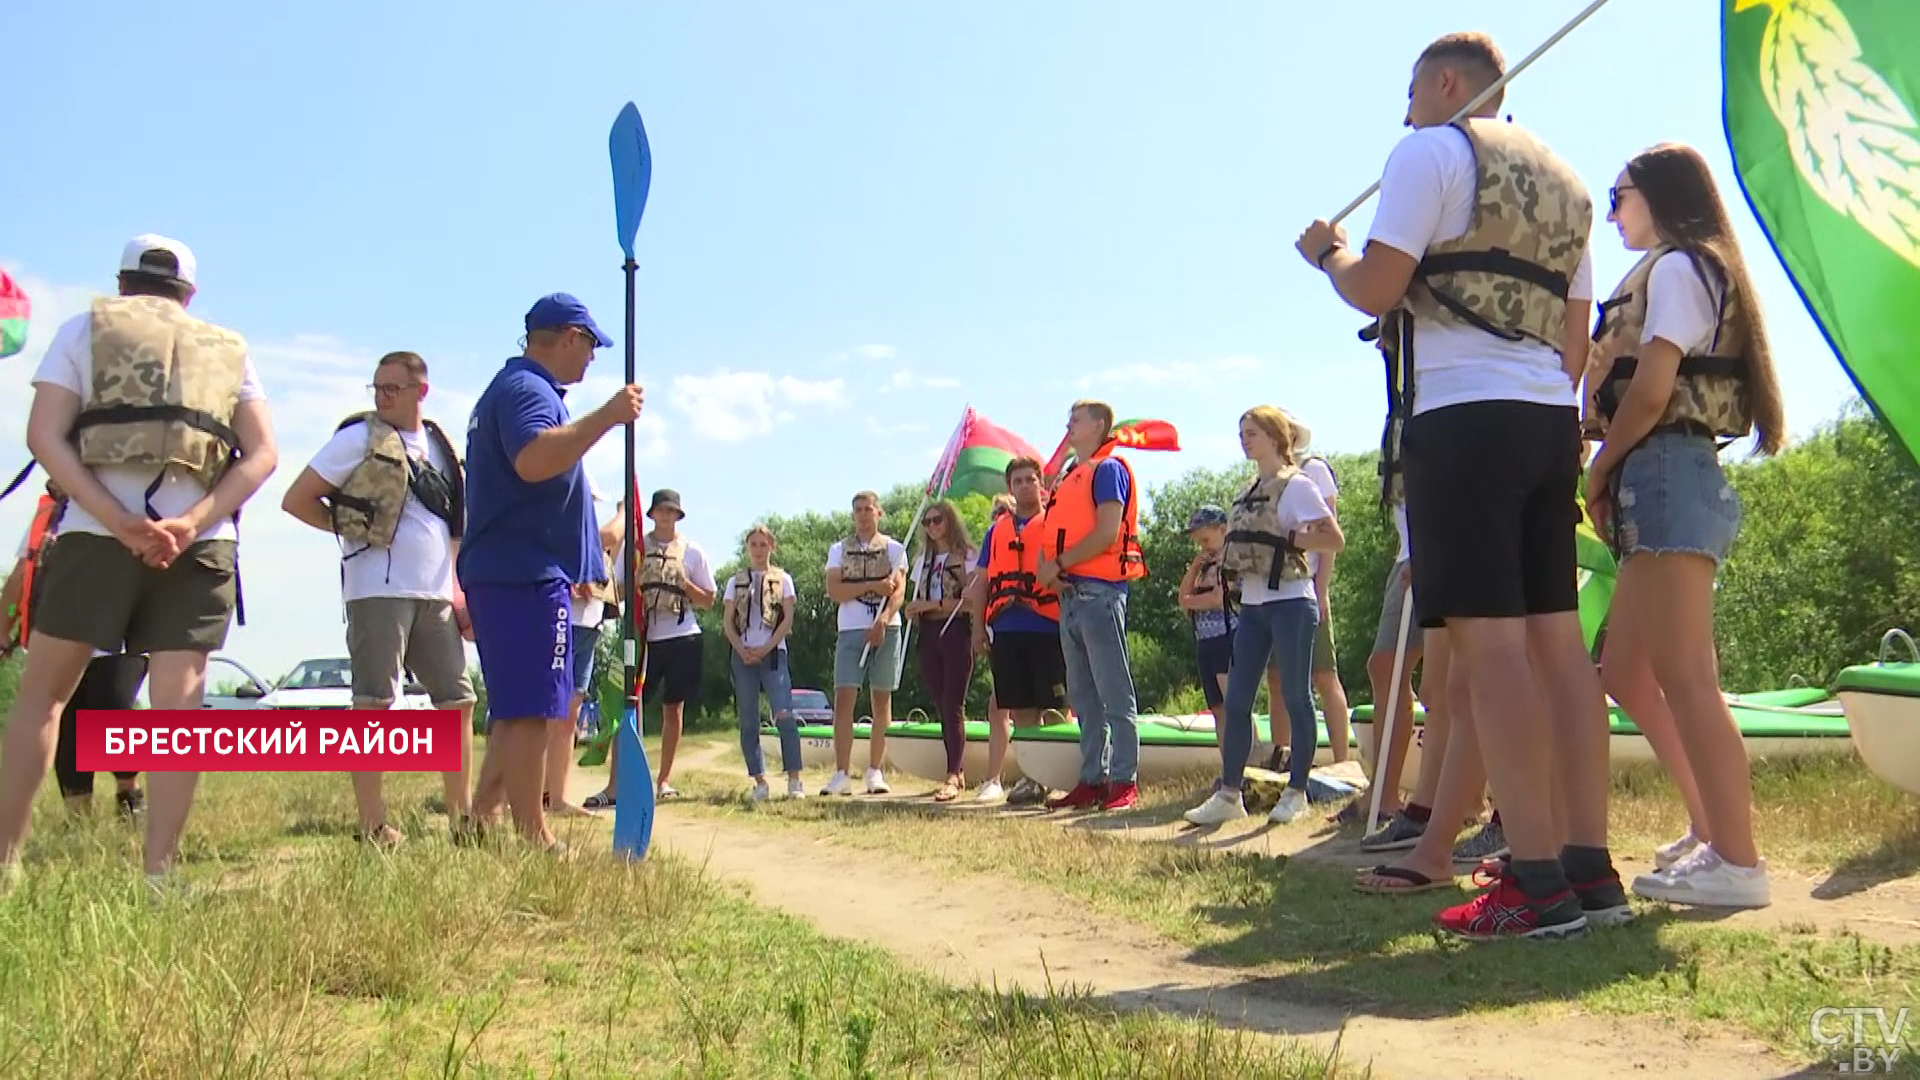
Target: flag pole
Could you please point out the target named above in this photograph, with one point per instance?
(926, 493)
(1485, 95)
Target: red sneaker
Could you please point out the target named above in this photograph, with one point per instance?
(1506, 911)
(1121, 796)
(1082, 796)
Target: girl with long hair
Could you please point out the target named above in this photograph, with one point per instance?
(1680, 361)
(946, 648)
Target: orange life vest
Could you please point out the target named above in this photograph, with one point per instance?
(43, 517)
(1012, 566)
(1071, 515)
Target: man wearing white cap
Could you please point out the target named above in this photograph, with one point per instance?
(146, 558)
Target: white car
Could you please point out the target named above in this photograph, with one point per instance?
(328, 684)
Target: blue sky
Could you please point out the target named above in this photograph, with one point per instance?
(863, 217)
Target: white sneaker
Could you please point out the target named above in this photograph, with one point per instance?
(1666, 855)
(759, 792)
(876, 783)
(1704, 879)
(796, 789)
(839, 785)
(1222, 806)
(1293, 803)
(991, 792)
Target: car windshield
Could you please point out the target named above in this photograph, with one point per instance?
(319, 675)
(810, 699)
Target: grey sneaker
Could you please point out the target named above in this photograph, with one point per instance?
(1399, 833)
(1489, 842)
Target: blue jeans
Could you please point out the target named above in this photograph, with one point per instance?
(772, 676)
(1282, 632)
(1093, 637)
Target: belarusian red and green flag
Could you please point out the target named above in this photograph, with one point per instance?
(1134, 433)
(14, 309)
(976, 457)
(1820, 98)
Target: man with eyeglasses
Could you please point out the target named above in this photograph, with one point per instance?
(388, 485)
(532, 535)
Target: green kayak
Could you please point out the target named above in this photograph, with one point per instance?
(1882, 702)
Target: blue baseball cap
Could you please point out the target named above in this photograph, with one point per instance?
(558, 311)
(1206, 515)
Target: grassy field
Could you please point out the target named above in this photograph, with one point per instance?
(1298, 923)
(300, 954)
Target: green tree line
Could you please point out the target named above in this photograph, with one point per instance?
(1824, 565)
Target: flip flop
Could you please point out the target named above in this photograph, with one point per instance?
(947, 793)
(1415, 882)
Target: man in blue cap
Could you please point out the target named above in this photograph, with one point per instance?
(531, 535)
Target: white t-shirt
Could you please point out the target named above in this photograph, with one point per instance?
(69, 364)
(419, 565)
(1299, 505)
(757, 633)
(665, 625)
(854, 614)
(1321, 474)
(1679, 308)
(21, 555)
(587, 610)
(1426, 196)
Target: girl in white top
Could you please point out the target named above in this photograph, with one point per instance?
(1276, 624)
(1659, 490)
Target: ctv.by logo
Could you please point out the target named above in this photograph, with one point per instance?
(1859, 1055)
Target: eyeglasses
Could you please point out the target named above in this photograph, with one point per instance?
(1613, 196)
(387, 390)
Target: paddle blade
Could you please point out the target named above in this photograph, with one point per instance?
(633, 799)
(632, 173)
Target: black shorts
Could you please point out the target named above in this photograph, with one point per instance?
(1491, 510)
(1029, 670)
(1213, 656)
(674, 669)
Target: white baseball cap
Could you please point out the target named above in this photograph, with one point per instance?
(159, 256)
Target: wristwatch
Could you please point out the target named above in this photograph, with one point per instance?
(1321, 262)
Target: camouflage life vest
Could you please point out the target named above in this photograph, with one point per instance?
(164, 389)
(863, 563)
(766, 592)
(1509, 274)
(1255, 546)
(366, 510)
(663, 578)
(952, 575)
(1710, 390)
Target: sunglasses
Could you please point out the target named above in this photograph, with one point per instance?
(1613, 196)
(933, 519)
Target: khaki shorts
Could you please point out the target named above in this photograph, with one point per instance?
(1323, 647)
(388, 636)
(92, 589)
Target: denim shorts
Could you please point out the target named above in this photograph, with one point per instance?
(1673, 498)
(586, 639)
(882, 671)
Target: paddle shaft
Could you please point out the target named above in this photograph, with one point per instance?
(1384, 746)
(1485, 95)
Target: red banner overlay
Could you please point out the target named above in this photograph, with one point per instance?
(269, 740)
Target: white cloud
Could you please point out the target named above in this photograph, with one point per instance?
(907, 380)
(1178, 372)
(733, 406)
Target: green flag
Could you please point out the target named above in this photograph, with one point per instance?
(1819, 99)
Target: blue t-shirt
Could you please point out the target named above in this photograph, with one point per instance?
(520, 533)
(1110, 484)
(1015, 620)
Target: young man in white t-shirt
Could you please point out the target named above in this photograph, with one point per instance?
(147, 555)
(869, 646)
(676, 573)
(1491, 449)
(399, 525)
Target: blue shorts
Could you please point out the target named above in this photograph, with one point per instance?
(585, 640)
(1673, 498)
(525, 637)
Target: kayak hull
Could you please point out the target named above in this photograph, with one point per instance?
(1172, 748)
(919, 750)
(1781, 723)
(1882, 703)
